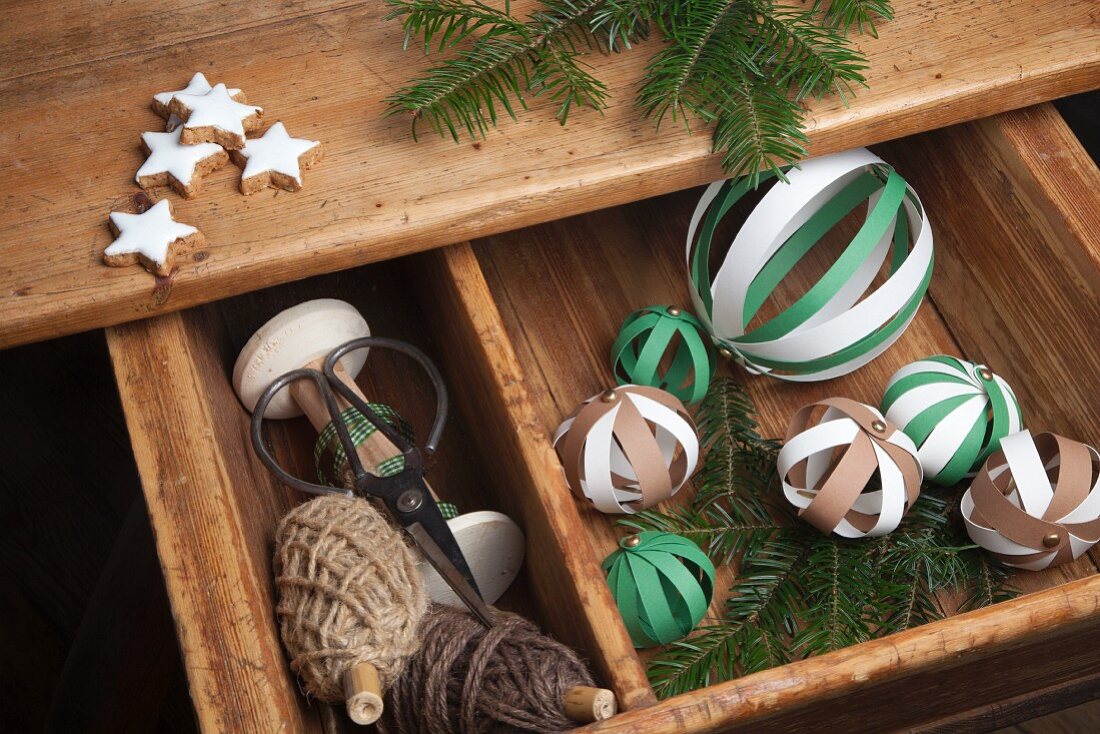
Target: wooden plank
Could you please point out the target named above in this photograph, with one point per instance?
(900, 681)
(218, 588)
(379, 194)
(40, 36)
(490, 384)
(1046, 704)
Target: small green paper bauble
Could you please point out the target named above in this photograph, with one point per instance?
(664, 347)
(955, 411)
(663, 585)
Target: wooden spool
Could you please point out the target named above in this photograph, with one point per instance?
(302, 336)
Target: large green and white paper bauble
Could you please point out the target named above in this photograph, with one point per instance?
(856, 310)
(955, 411)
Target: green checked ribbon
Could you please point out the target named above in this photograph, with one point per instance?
(328, 452)
(850, 315)
(955, 411)
(332, 461)
(662, 583)
(664, 347)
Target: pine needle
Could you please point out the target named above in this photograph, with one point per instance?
(742, 66)
(799, 593)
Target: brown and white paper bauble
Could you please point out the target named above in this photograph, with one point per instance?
(833, 451)
(1035, 503)
(627, 449)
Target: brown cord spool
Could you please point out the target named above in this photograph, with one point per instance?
(467, 679)
(350, 601)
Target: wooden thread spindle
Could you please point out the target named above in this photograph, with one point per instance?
(363, 693)
(586, 704)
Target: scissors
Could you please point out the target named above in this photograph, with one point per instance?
(404, 493)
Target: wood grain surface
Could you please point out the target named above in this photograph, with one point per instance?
(73, 103)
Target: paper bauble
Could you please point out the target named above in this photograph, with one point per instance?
(662, 583)
(1036, 501)
(665, 347)
(827, 466)
(628, 449)
(845, 320)
(955, 411)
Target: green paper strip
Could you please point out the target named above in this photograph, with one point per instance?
(646, 339)
(887, 215)
(663, 586)
(999, 415)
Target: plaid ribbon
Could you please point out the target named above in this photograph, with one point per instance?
(328, 452)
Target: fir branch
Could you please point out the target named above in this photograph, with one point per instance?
(501, 67)
(804, 54)
(451, 20)
(741, 65)
(675, 75)
(859, 14)
(758, 127)
(619, 24)
(797, 592)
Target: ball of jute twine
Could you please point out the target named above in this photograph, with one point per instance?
(467, 679)
(349, 592)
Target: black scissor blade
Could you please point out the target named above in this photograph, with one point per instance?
(461, 580)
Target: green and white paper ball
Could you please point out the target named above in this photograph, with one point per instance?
(664, 347)
(955, 411)
(662, 583)
(856, 310)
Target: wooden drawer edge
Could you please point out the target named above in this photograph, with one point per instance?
(231, 651)
(1064, 613)
(565, 566)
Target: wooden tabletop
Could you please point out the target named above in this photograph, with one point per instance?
(77, 77)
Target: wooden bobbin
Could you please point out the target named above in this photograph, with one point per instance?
(363, 694)
(585, 704)
(303, 336)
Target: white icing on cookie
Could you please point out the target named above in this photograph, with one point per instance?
(168, 155)
(172, 123)
(275, 151)
(197, 85)
(217, 109)
(149, 234)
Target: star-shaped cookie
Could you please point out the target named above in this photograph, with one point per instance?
(275, 160)
(197, 85)
(180, 166)
(153, 238)
(215, 117)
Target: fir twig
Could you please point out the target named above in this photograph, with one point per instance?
(741, 65)
(797, 592)
(502, 66)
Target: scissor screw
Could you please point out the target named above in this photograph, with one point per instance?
(410, 501)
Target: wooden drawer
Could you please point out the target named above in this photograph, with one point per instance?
(521, 324)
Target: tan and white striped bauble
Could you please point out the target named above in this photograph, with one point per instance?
(833, 451)
(628, 448)
(1036, 501)
(955, 411)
